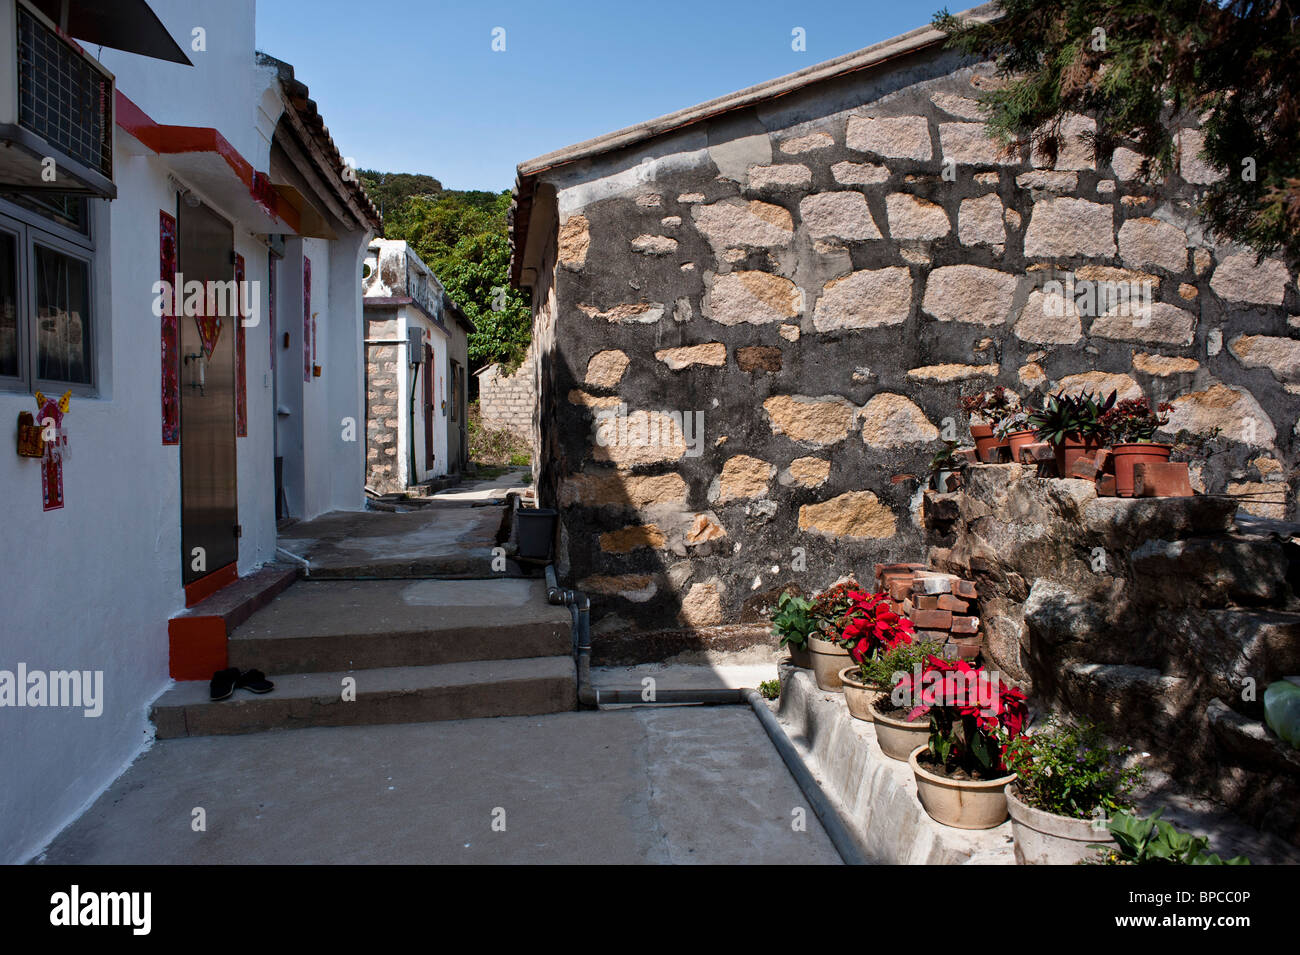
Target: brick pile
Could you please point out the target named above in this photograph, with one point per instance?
(941, 607)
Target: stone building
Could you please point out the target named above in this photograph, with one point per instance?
(415, 402)
(509, 401)
(754, 319)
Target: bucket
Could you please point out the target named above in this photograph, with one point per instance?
(536, 532)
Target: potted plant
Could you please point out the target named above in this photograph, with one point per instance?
(1150, 840)
(877, 674)
(961, 774)
(946, 467)
(828, 611)
(793, 623)
(1016, 432)
(1069, 782)
(1072, 425)
(871, 631)
(992, 408)
(1130, 426)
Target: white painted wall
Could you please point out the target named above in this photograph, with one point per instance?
(91, 586)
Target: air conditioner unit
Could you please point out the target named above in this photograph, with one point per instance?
(56, 109)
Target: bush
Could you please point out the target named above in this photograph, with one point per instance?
(1070, 770)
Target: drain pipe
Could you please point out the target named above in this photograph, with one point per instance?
(588, 696)
(300, 561)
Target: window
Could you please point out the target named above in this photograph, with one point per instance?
(46, 286)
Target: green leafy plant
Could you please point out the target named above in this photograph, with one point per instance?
(1282, 710)
(1018, 421)
(887, 668)
(946, 459)
(992, 406)
(1133, 421)
(831, 606)
(1149, 840)
(1069, 769)
(794, 620)
(1062, 416)
(770, 689)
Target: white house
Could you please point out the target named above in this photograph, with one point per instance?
(416, 355)
(185, 157)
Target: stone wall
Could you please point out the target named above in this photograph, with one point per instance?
(1162, 619)
(790, 299)
(382, 446)
(509, 402)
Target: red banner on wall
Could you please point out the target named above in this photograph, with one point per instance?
(241, 372)
(306, 319)
(171, 386)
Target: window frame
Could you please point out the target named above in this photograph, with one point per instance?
(33, 229)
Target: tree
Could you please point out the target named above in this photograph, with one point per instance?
(462, 236)
(1142, 68)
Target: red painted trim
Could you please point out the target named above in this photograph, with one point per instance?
(170, 140)
(196, 647)
(209, 585)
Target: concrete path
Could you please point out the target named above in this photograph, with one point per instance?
(494, 489)
(453, 541)
(645, 785)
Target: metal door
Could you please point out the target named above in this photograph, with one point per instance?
(209, 514)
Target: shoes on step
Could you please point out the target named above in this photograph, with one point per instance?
(223, 684)
(254, 681)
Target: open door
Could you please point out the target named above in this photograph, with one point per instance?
(209, 512)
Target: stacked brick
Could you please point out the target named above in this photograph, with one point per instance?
(941, 607)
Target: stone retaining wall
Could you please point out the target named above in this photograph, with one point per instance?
(786, 303)
(509, 402)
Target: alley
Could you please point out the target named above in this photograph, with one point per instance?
(642, 785)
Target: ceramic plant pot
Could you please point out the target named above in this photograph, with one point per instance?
(1044, 838)
(960, 803)
(828, 660)
(1125, 456)
(1073, 448)
(897, 738)
(858, 695)
(1017, 440)
(800, 656)
(986, 442)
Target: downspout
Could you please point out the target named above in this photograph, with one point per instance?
(589, 697)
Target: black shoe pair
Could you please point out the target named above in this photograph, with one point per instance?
(225, 682)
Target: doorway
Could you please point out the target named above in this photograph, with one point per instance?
(209, 509)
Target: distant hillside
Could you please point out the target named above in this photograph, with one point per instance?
(461, 235)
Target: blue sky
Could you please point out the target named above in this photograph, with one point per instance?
(415, 86)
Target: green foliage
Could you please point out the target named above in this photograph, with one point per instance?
(794, 620)
(1152, 841)
(495, 447)
(462, 237)
(1062, 415)
(388, 190)
(1145, 68)
(885, 669)
(770, 689)
(831, 606)
(1069, 769)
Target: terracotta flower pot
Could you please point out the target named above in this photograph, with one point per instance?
(960, 803)
(1044, 838)
(1125, 456)
(858, 695)
(986, 442)
(1017, 440)
(800, 656)
(897, 738)
(1073, 448)
(828, 660)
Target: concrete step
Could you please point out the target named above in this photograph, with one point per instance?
(451, 691)
(197, 637)
(366, 624)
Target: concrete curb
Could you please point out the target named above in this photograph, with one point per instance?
(875, 795)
